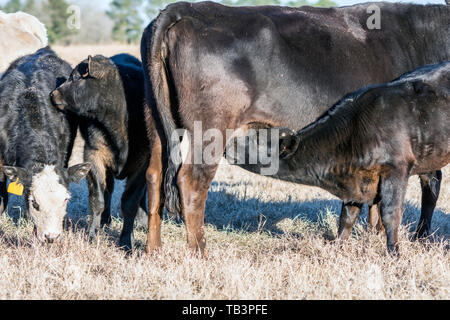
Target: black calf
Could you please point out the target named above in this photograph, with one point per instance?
(109, 95)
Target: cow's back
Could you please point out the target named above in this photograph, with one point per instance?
(33, 129)
(296, 62)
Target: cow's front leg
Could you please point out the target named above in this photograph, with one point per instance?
(431, 186)
(349, 214)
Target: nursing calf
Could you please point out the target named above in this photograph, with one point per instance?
(108, 94)
(237, 68)
(36, 141)
(364, 148)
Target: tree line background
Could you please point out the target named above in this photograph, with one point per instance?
(120, 21)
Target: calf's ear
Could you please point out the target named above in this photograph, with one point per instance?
(14, 173)
(95, 70)
(79, 172)
(288, 144)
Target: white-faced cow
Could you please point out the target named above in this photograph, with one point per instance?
(36, 140)
(240, 67)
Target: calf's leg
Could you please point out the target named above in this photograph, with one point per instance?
(142, 215)
(106, 214)
(3, 193)
(96, 180)
(393, 190)
(375, 222)
(134, 191)
(431, 185)
(349, 214)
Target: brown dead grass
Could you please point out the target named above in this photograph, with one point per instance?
(266, 240)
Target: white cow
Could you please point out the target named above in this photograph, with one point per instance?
(20, 34)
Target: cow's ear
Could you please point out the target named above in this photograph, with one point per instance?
(14, 173)
(289, 143)
(79, 172)
(95, 70)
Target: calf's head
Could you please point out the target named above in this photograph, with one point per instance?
(86, 90)
(46, 188)
(288, 142)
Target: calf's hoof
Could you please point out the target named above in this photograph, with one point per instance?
(126, 243)
(105, 222)
(393, 251)
(421, 234)
(92, 232)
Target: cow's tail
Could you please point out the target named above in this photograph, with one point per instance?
(154, 53)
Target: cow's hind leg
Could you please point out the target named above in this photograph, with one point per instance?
(193, 182)
(134, 191)
(431, 185)
(153, 177)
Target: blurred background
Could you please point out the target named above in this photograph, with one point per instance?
(121, 21)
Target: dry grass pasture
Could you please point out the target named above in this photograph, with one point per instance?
(266, 240)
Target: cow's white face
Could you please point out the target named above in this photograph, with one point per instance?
(47, 203)
(47, 191)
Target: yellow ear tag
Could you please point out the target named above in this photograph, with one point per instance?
(15, 188)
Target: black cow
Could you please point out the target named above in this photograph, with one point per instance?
(364, 149)
(36, 140)
(108, 94)
(239, 67)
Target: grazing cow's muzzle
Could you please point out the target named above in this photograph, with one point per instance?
(46, 237)
(57, 99)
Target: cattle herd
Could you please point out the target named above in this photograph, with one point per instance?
(357, 112)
